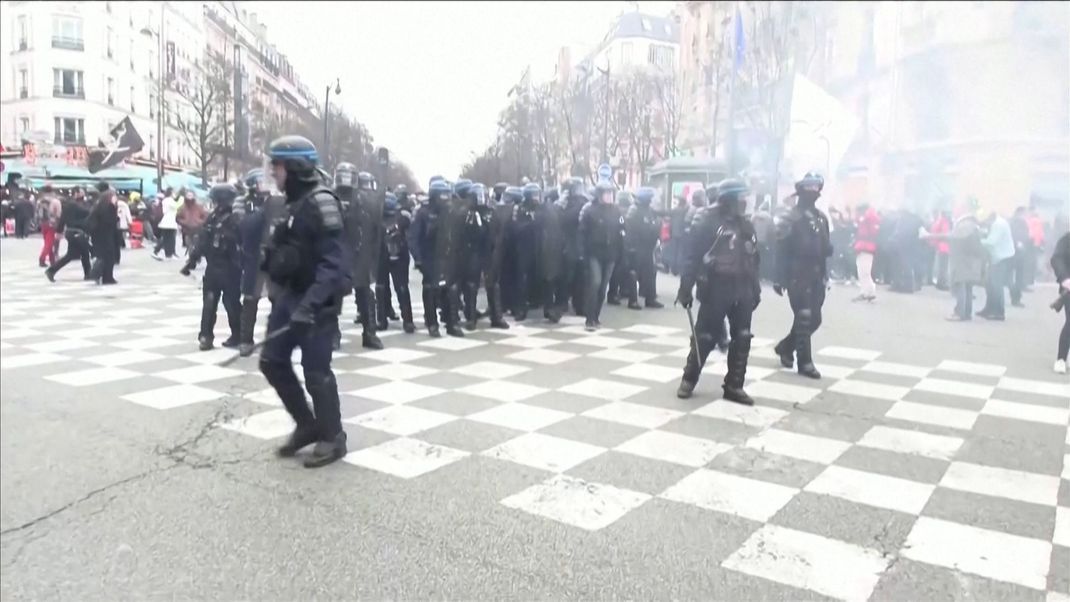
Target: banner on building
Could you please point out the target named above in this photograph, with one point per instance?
(123, 142)
(820, 131)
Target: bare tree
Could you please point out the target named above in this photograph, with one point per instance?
(640, 92)
(670, 99)
(206, 93)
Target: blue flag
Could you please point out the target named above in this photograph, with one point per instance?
(741, 40)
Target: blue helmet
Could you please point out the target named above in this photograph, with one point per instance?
(345, 175)
(461, 187)
(254, 180)
(512, 194)
(812, 180)
(439, 190)
(728, 190)
(645, 195)
(433, 180)
(573, 186)
(478, 193)
(532, 192)
(601, 190)
(298, 155)
(390, 204)
(365, 181)
(223, 195)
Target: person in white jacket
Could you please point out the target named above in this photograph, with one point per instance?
(123, 208)
(168, 226)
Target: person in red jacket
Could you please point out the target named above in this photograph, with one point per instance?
(869, 224)
(941, 225)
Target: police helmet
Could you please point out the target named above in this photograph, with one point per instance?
(254, 180)
(573, 186)
(811, 181)
(730, 190)
(478, 193)
(512, 194)
(365, 181)
(433, 180)
(601, 190)
(223, 195)
(699, 198)
(552, 196)
(439, 190)
(499, 190)
(390, 204)
(531, 192)
(402, 191)
(624, 199)
(297, 155)
(645, 195)
(345, 175)
(461, 187)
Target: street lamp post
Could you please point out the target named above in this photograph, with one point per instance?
(159, 100)
(327, 115)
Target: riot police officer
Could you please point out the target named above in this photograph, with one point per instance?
(601, 233)
(642, 230)
(262, 212)
(405, 200)
(219, 243)
(474, 245)
(430, 245)
(721, 257)
(803, 248)
(570, 284)
(394, 264)
(366, 215)
(495, 254)
(619, 282)
(306, 261)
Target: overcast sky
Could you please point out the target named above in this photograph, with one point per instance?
(428, 78)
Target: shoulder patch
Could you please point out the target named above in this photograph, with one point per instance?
(329, 208)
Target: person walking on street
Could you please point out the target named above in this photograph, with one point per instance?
(865, 246)
(1060, 263)
(123, 207)
(72, 225)
(1023, 253)
(103, 228)
(966, 260)
(941, 225)
(168, 227)
(1000, 245)
(48, 216)
(190, 219)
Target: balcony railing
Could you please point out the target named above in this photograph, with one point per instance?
(24, 93)
(61, 92)
(68, 43)
(65, 140)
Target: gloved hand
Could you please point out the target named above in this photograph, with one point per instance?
(185, 271)
(778, 289)
(685, 298)
(301, 321)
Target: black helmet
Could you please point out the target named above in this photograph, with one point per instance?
(499, 190)
(699, 197)
(512, 194)
(365, 181)
(811, 181)
(401, 191)
(298, 155)
(223, 195)
(602, 189)
(531, 192)
(624, 199)
(573, 187)
(345, 175)
(730, 190)
(461, 187)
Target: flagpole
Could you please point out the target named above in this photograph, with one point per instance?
(730, 141)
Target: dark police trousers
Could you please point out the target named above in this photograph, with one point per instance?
(436, 296)
(529, 289)
(598, 274)
(225, 287)
(364, 297)
(472, 270)
(570, 285)
(396, 270)
(316, 349)
(77, 248)
(736, 302)
(642, 273)
(806, 299)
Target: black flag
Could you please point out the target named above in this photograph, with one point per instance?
(123, 142)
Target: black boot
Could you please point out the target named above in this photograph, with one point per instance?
(738, 352)
(737, 395)
(405, 302)
(785, 352)
(302, 436)
(231, 342)
(454, 331)
(685, 389)
(327, 452)
(634, 304)
(470, 324)
(205, 343)
(408, 327)
(612, 300)
(369, 340)
(380, 310)
(245, 349)
(248, 321)
(654, 304)
(805, 354)
(432, 331)
(809, 371)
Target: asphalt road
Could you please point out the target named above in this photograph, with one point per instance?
(932, 462)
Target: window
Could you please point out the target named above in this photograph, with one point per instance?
(24, 83)
(23, 32)
(152, 146)
(110, 52)
(646, 24)
(70, 130)
(24, 125)
(626, 53)
(132, 97)
(132, 53)
(111, 91)
(170, 149)
(152, 106)
(67, 33)
(167, 115)
(660, 56)
(67, 82)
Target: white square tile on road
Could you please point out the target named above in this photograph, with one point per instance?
(396, 392)
(633, 414)
(198, 374)
(752, 416)
(872, 489)
(271, 424)
(827, 566)
(668, 341)
(502, 390)
(602, 389)
(210, 357)
(991, 554)
(1026, 411)
(895, 369)
(797, 445)
(491, 370)
(405, 458)
(1038, 387)
(392, 354)
(11, 334)
(142, 343)
(862, 388)
(902, 441)
(782, 392)
(544, 452)
(8, 361)
(527, 342)
(1002, 482)
(649, 372)
(972, 368)
(61, 345)
(92, 376)
(92, 332)
(628, 356)
(731, 494)
(674, 448)
(933, 414)
(519, 416)
(651, 329)
(174, 396)
(604, 342)
(589, 506)
(546, 357)
(401, 420)
(1061, 536)
(123, 358)
(396, 371)
(954, 387)
(850, 353)
(452, 344)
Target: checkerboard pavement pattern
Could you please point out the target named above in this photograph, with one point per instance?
(866, 484)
